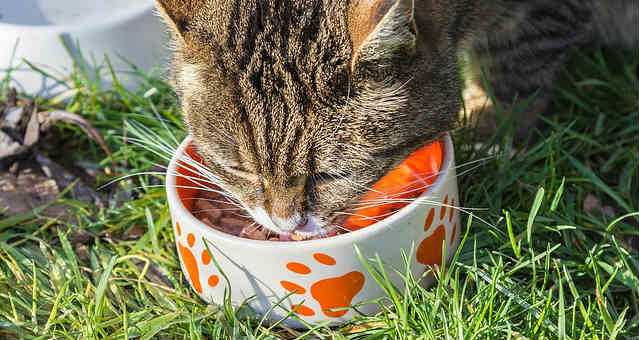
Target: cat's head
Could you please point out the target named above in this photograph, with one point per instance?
(297, 107)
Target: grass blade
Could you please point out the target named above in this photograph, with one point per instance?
(152, 231)
(533, 213)
(561, 319)
(100, 291)
(154, 326)
(557, 198)
(56, 304)
(511, 236)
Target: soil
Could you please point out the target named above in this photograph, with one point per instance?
(36, 165)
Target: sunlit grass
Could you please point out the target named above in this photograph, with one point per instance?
(547, 269)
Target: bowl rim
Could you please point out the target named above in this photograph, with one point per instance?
(346, 239)
(98, 22)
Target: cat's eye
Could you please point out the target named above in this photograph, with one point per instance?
(242, 172)
(297, 181)
(238, 169)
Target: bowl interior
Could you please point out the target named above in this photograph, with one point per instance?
(188, 181)
(185, 187)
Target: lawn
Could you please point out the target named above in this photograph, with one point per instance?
(550, 251)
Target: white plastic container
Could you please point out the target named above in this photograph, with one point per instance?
(327, 272)
(34, 30)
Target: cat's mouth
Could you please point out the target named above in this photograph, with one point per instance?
(318, 228)
(313, 226)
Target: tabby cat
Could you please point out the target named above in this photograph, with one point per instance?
(297, 106)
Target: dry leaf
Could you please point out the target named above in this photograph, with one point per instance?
(364, 327)
(32, 135)
(48, 118)
(10, 122)
(591, 204)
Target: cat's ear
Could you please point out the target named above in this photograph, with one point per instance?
(179, 14)
(380, 28)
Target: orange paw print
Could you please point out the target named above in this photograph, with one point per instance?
(330, 293)
(190, 261)
(429, 251)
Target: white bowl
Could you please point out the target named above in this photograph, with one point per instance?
(327, 272)
(33, 30)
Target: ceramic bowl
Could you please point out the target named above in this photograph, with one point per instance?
(34, 30)
(326, 275)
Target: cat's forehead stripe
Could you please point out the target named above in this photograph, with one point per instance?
(279, 52)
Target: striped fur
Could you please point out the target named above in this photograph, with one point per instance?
(523, 50)
(299, 105)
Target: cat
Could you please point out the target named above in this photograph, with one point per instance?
(298, 106)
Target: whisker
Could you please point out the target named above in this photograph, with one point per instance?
(464, 210)
(432, 204)
(162, 121)
(143, 131)
(204, 180)
(195, 180)
(163, 149)
(147, 136)
(356, 185)
(419, 179)
(156, 173)
(218, 201)
(188, 187)
(197, 167)
(206, 210)
(431, 175)
(239, 206)
(157, 149)
(422, 202)
(374, 218)
(340, 227)
(241, 215)
(484, 159)
(468, 170)
(394, 92)
(254, 225)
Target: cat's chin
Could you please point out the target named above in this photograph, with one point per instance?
(313, 228)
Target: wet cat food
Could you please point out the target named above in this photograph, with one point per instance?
(218, 213)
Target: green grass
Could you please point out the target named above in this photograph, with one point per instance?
(544, 269)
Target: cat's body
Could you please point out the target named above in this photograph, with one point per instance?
(298, 106)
